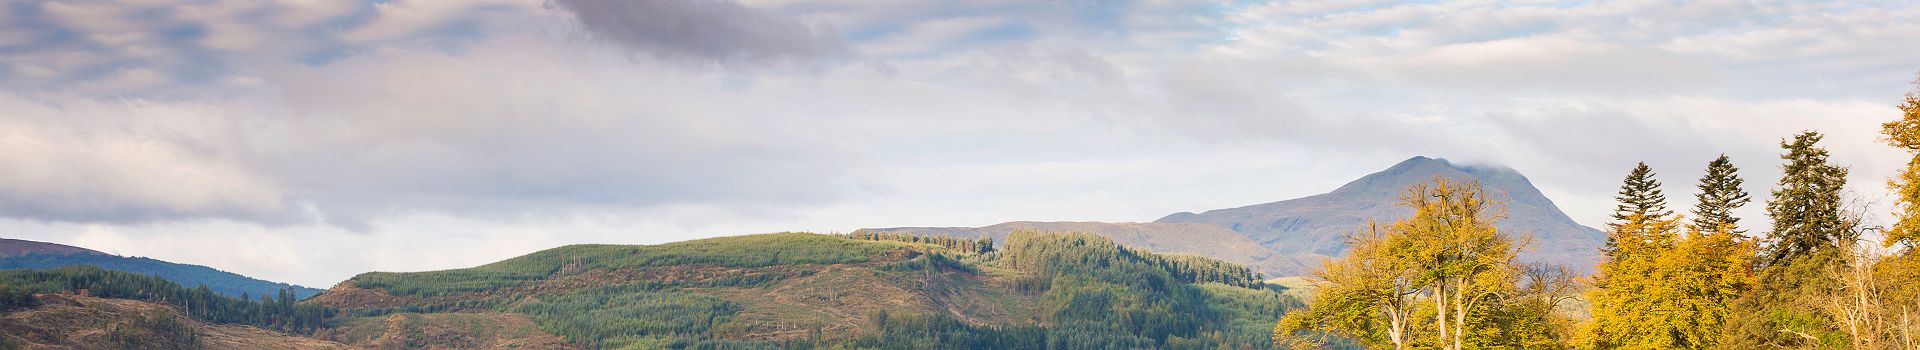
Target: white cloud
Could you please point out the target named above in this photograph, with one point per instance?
(328, 140)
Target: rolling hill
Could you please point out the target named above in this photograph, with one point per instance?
(85, 322)
(23, 254)
(801, 290)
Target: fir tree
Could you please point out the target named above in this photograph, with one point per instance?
(1719, 195)
(1642, 209)
(1806, 205)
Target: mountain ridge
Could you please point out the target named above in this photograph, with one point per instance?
(1297, 233)
(25, 254)
(1317, 224)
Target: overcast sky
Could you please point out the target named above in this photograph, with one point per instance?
(311, 140)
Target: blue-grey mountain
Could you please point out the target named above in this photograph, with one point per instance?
(24, 254)
(1290, 237)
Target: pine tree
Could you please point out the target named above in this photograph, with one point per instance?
(1719, 195)
(1640, 196)
(1633, 301)
(1806, 205)
(1642, 210)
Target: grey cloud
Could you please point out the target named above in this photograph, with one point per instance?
(716, 30)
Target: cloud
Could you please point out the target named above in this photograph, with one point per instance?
(85, 161)
(705, 30)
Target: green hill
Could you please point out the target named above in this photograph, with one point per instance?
(226, 283)
(801, 290)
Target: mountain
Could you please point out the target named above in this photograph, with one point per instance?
(1316, 225)
(1177, 238)
(24, 254)
(1289, 238)
(802, 290)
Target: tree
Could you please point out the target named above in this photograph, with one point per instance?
(1904, 133)
(1447, 259)
(1642, 209)
(1719, 195)
(1370, 295)
(1788, 305)
(1634, 300)
(1640, 198)
(1806, 205)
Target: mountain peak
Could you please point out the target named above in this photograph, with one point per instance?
(1316, 225)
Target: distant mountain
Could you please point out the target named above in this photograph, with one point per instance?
(1168, 238)
(1317, 225)
(1293, 235)
(15, 247)
(24, 254)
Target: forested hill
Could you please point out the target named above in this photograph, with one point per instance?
(803, 290)
(40, 255)
(1198, 239)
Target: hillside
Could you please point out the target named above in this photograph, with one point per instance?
(83, 322)
(1317, 225)
(16, 247)
(21, 254)
(1176, 238)
(799, 290)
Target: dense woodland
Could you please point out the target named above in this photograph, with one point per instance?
(278, 312)
(1091, 293)
(225, 283)
(1821, 277)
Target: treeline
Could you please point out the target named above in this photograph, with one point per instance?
(982, 245)
(1051, 253)
(791, 248)
(1200, 269)
(270, 311)
(1104, 296)
(1816, 279)
(1821, 277)
(225, 283)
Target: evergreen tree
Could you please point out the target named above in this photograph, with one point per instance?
(1719, 195)
(1806, 205)
(1642, 210)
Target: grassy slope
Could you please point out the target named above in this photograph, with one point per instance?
(79, 322)
(742, 290)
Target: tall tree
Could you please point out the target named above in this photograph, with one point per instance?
(1806, 204)
(1719, 195)
(1447, 259)
(1904, 133)
(1642, 210)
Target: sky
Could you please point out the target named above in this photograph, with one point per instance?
(311, 140)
